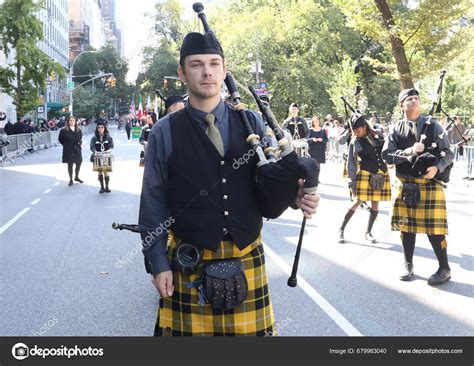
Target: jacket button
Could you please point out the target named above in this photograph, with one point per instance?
(224, 230)
(225, 197)
(222, 162)
(224, 180)
(226, 213)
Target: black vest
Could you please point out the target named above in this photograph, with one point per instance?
(209, 195)
(405, 138)
(371, 156)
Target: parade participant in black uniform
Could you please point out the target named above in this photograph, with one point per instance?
(295, 124)
(211, 209)
(128, 128)
(420, 206)
(71, 138)
(143, 139)
(173, 103)
(367, 173)
(100, 142)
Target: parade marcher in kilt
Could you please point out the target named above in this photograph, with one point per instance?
(100, 142)
(367, 173)
(296, 125)
(420, 206)
(143, 139)
(71, 138)
(209, 207)
(173, 103)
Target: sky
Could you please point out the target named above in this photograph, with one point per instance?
(136, 27)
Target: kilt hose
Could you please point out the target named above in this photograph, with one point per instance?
(364, 191)
(183, 315)
(428, 217)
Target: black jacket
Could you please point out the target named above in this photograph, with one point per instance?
(72, 145)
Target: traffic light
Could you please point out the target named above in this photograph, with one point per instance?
(53, 76)
(113, 82)
(165, 83)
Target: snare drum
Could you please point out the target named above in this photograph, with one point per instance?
(301, 147)
(103, 161)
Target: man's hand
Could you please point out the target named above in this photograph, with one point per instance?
(164, 283)
(307, 202)
(418, 147)
(431, 172)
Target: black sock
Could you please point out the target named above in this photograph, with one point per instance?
(440, 245)
(69, 170)
(78, 168)
(408, 242)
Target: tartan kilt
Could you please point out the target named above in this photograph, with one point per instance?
(428, 217)
(364, 191)
(182, 315)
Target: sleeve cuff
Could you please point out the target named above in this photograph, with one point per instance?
(159, 263)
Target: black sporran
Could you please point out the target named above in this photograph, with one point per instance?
(411, 194)
(377, 181)
(224, 283)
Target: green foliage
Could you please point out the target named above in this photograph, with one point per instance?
(309, 50)
(95, 96)
(20, 31)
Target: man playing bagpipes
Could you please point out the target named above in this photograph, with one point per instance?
(419, 148)
(210, 268)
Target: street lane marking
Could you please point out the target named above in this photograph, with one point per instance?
(55, 184)
(35, 201)
(12, 221)
(338, 318)
(47, 191)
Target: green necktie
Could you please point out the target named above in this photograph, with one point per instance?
(214, 134)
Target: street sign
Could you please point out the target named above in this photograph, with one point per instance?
(41, 109)
(70, 85)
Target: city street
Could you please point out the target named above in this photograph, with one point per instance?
(65, 272)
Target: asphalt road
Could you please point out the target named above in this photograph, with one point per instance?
(65, 272)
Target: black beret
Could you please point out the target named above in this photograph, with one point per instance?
(294, 105)
(196, 43)
(172, 100)
(405, 93)
(357, 120)
(100, 123)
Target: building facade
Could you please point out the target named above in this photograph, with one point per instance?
(87, 28)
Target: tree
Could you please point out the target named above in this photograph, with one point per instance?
(422, 36)
(95, 96)
(20, 31)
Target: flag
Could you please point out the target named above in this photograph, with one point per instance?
(132, 109)
(148, 104)
(140, 108)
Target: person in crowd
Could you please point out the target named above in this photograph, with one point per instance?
(70, 136)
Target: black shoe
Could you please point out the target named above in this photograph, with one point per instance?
(439, 277)
(108, 190)
(78, 180)
(407, 274)
(341, 237)
(370, 238)
(102, 190)
(70, 183)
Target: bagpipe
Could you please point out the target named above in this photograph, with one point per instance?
(277, 173)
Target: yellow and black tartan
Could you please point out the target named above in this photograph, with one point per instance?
(183, 315)
(429, 216)
(345, 173)
(364, 191)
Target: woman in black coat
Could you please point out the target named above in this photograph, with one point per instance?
(317, 141)
(71, 138)
(101, 142)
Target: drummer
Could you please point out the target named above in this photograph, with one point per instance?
(101, 142)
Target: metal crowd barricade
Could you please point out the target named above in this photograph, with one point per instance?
(469, 158)
(27, 142)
